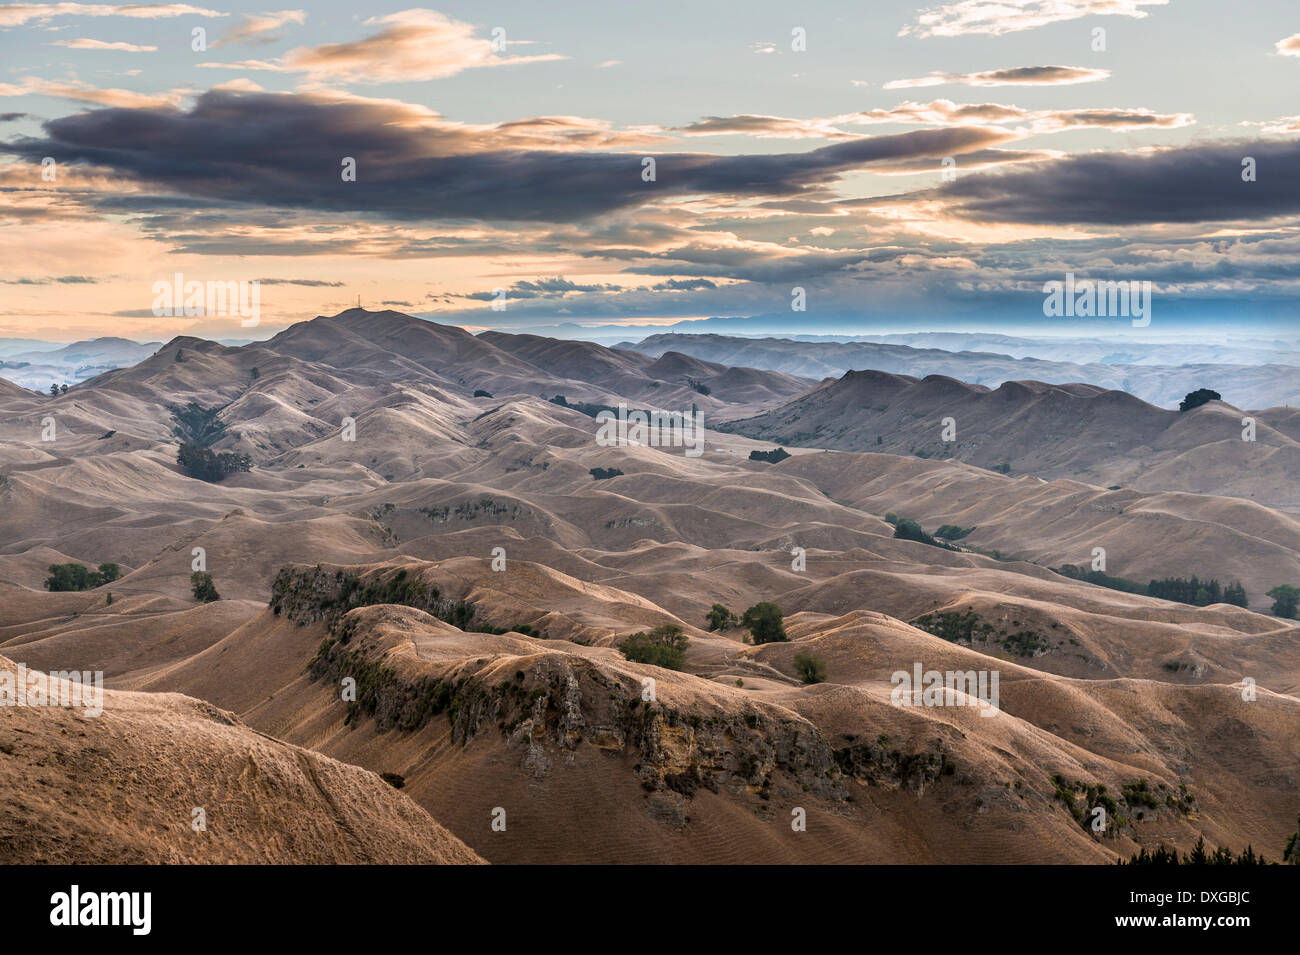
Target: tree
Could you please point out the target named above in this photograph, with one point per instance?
(63, 389)
(720, 618)
(255, 373)
(664, 646)
(763, 621)
(205, 591)
(1291, 854)
(66, 577)
(54, 390)
(1195, 399)
(1285, 600)
(811, 669)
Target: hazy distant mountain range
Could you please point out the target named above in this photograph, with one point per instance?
(1260, 378)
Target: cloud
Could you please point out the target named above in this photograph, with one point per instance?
(412, 46)
(257, 27)
(996, 17)
(1198, 183)
(608, 63)
(84, 44)
(1016, 76)
(940, 112)
(60, 279)
(16, 14)
(764, 127)
(285, 150)
(85, 93)
(308, 283)
(1288, 47)
(1282, 126)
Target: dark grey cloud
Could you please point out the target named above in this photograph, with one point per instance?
(1198, 183)
(286, 150)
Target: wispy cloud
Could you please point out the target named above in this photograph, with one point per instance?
(85, 44)
(996, 17)
(1014, 76)
(16, 14)
(259, 27)
(85, 93)
(412, 46)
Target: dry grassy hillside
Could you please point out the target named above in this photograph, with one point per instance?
(493, 686)
(123, 787)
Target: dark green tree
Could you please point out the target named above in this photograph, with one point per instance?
(205, 591)
(720, 618)
(763, 621)
(1286, 598)
(1197, 398)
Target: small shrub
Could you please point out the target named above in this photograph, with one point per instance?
(811, 669)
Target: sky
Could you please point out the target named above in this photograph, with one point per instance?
(890, 166)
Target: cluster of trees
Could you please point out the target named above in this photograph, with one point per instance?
(775, 456)
(764, 621)
(208, 465)
(199, 428)
(601, 474)
(56, 390)
(1189, 590)
(664, 646)
(907, 529)
(1198, 856)
(1199, 593)
(78, 577)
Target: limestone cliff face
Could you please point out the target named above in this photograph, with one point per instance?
(546, 699)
